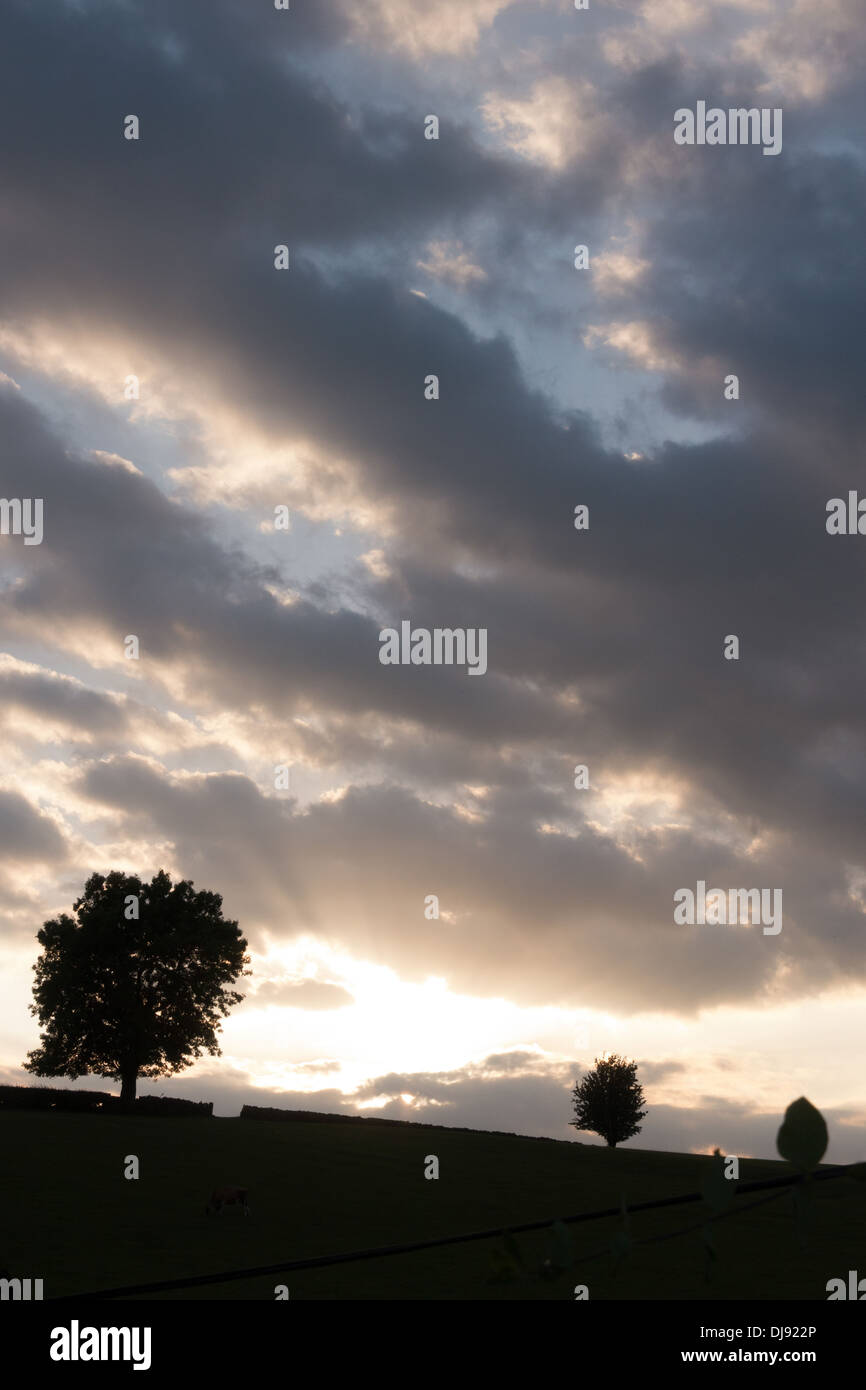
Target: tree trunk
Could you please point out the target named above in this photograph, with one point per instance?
(127, 1089)
(611, 1143)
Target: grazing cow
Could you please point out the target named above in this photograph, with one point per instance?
(227, 1197)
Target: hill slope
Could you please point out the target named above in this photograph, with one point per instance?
(71, 1218)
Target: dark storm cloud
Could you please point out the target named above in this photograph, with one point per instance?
(94, 515)
(210, 165)
(755, 264)
(459, 469)
(26, 833)
(39, 706)
(539, 918)
(62, 702)
(776, 739)
(168, 242)
(203, 607)
(519, 1106)
(222, 168)
(761, 270)
(644, 678)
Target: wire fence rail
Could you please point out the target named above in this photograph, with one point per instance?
(776, 1186)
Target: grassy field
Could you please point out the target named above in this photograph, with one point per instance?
(70, 1217)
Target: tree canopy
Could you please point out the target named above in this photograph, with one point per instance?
(136, 983)
(608, 1100)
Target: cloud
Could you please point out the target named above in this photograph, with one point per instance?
(58, 702)
(26, 833)
(614, 270)
(449, 261)
(635, 339)
(651, 1072)
(226, 638)
(557, 122)
(517, 1060)
(302, 994)
(438, 27)
(805, 54)
(566, 918)
(305, 389)
(541, 1105)
(799, 53)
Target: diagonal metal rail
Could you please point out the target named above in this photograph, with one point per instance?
(321, 1261)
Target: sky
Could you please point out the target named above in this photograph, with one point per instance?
(170, 394)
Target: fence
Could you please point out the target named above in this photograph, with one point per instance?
(776, 1187)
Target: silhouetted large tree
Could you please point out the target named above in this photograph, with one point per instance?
(136, 985)
(608, 1100)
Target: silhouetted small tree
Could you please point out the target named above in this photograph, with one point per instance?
(608, 1100)
(135, 986)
